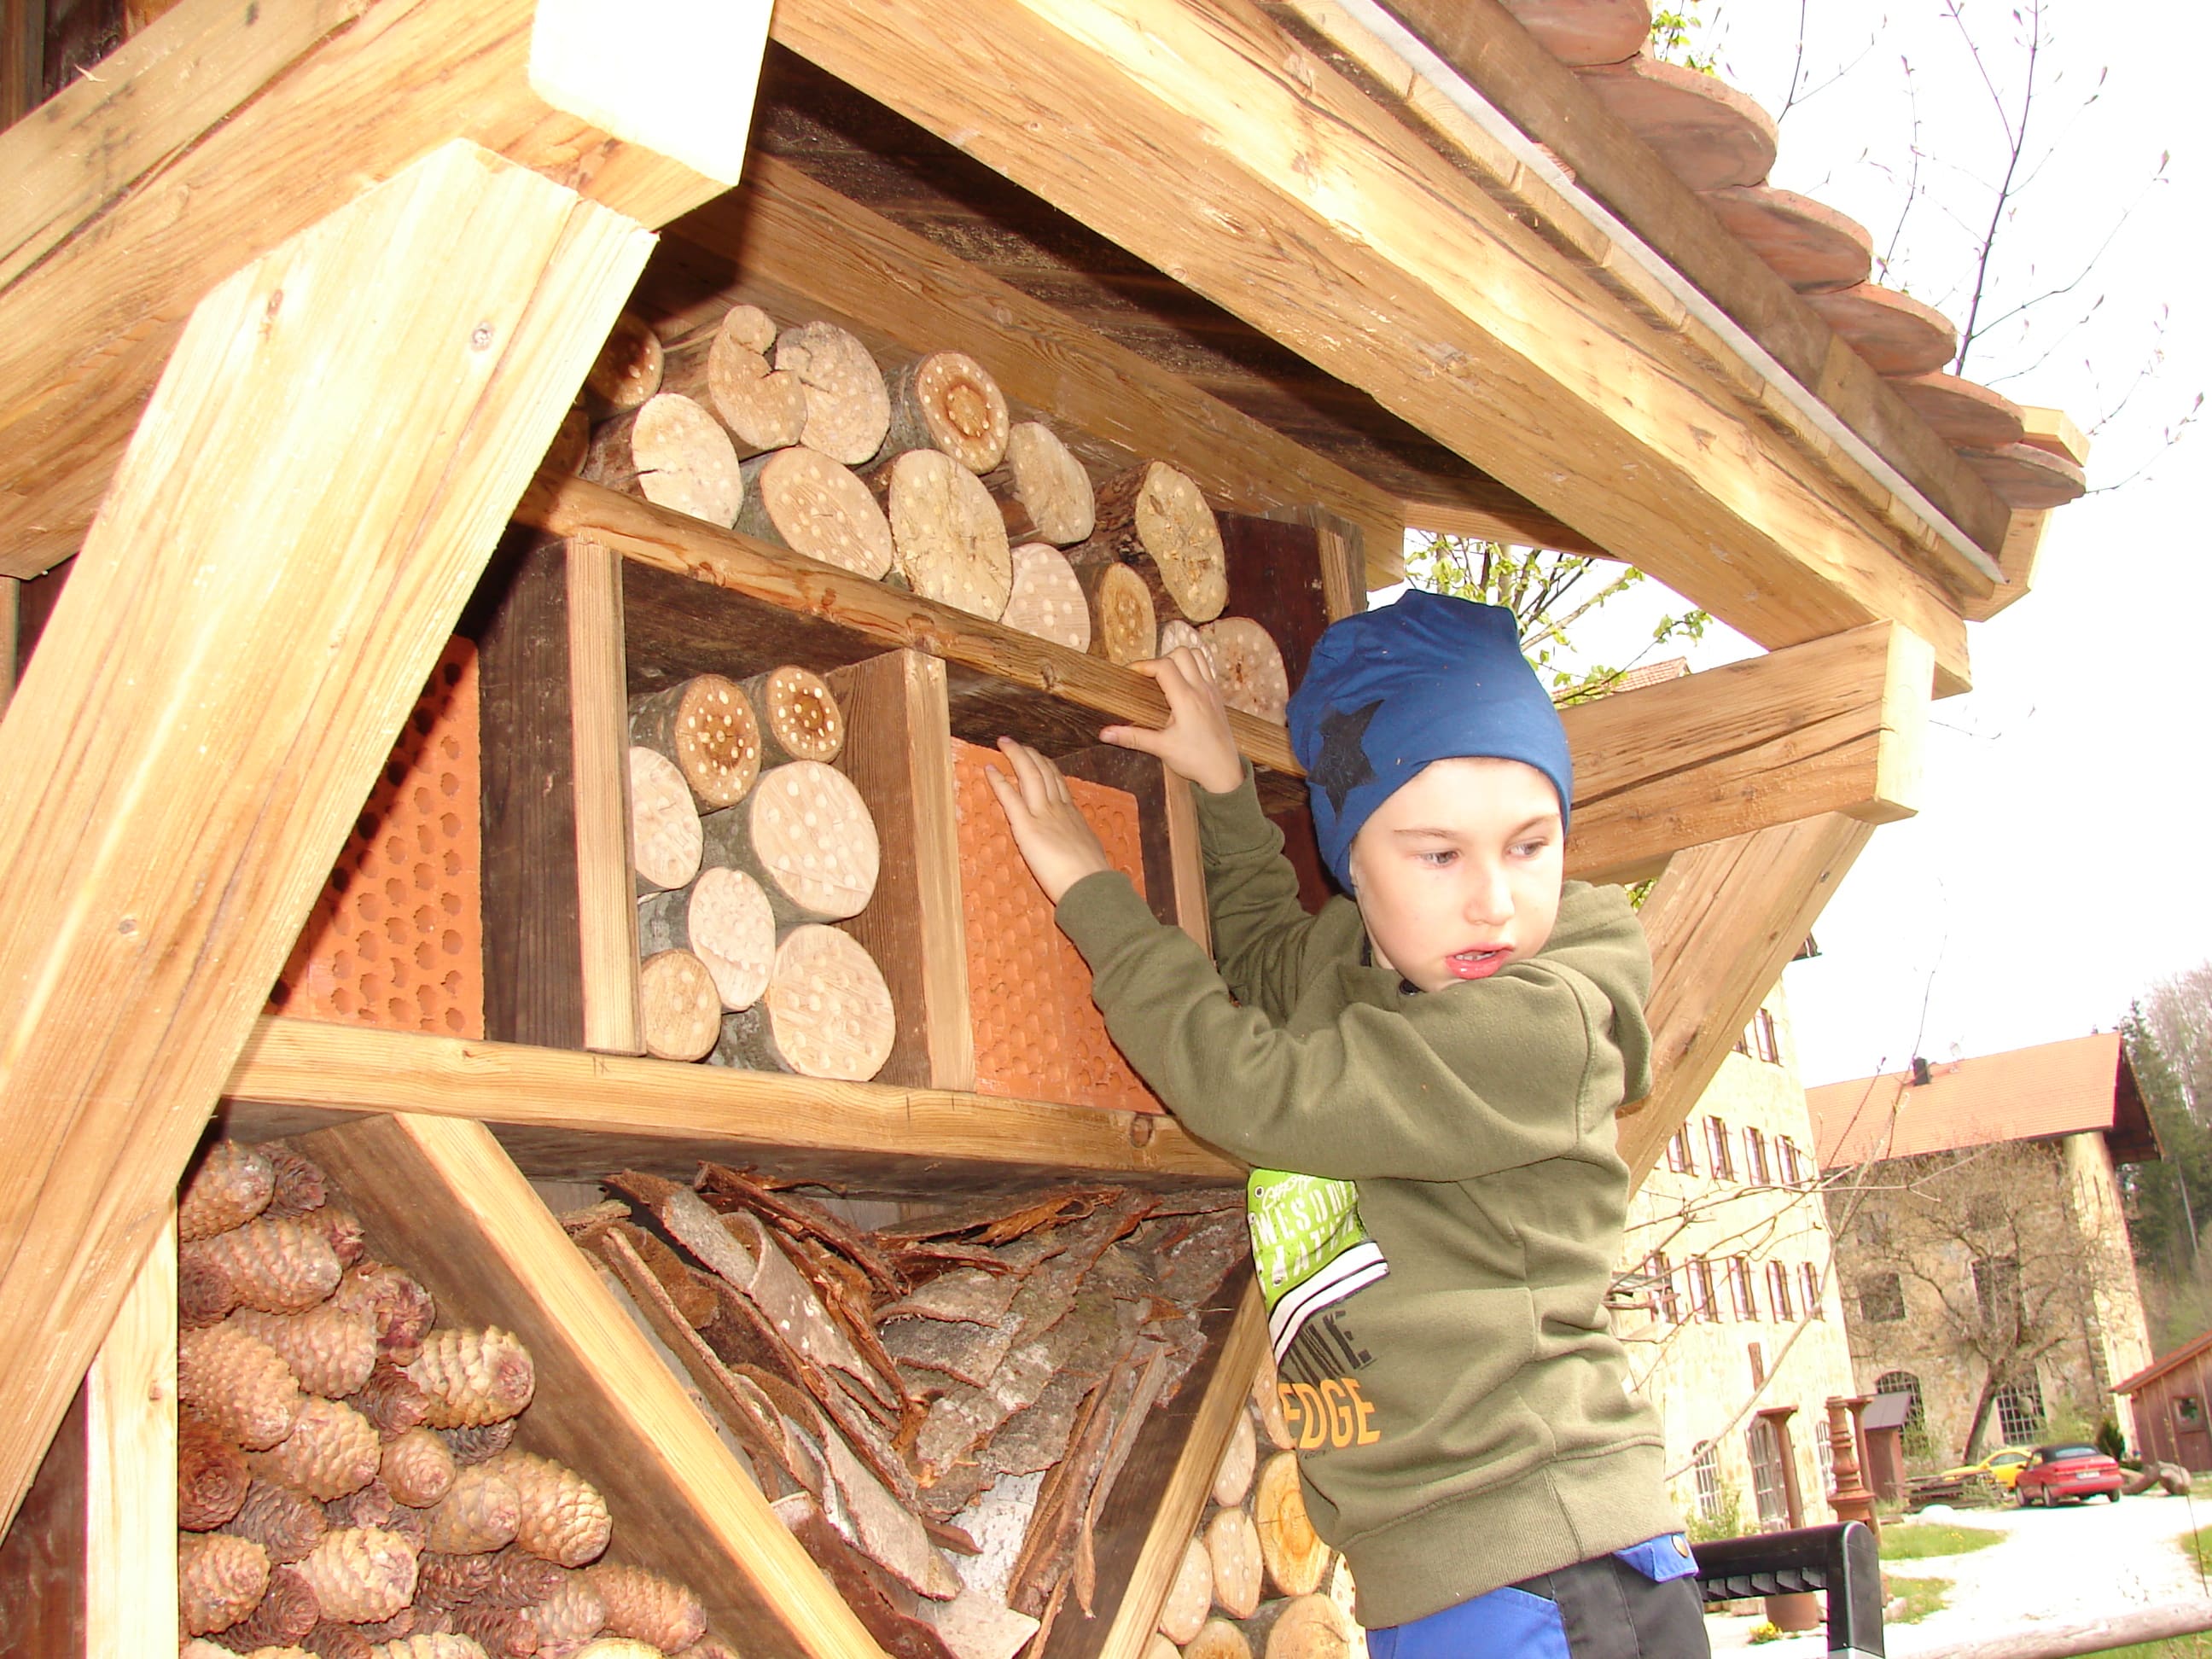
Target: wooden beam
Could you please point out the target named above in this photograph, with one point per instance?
(2054, 430)
(130, 1431)
(1207, 140)
(1508, 521)
(2016, 560)
(568, 1115)
(23, 58)
(598, 723)
(288, 543)
(1723, 922)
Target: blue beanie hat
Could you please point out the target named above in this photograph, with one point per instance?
(1389, 691)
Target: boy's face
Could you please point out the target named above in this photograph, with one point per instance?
(1458, 873)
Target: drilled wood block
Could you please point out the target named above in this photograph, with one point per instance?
(396, 938)
(1038, 1036)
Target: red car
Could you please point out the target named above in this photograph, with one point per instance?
(2069, 1470)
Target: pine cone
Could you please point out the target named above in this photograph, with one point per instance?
(280, 1520)
(410, 1524)
(238, 1382)
(709, 1646)
(278, 1267)
(287, 1612)
(331, 1349)
(564, 1519)
(503, 1632)
(333, 1640)
(372, 1506)
(479, 1444)
(205, 1292)
(403, 1310)
(200, 1647)
(218, 1578)
(479, 1516)
(473, 1378)
(520, 1579)
(453, 1579)
(212, 1474)
(300, 1183)
(568, 1618)
(390, 1401)
(648, 1607)
(331, 1452)
(340, 1229)
(231, 1186)
(451, 1646)
(617, 1647)
(419, 1469)
(360, 1574)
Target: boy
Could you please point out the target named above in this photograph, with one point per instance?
(1438, 1059)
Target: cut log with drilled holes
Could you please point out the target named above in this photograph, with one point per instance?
(947, 401)
(674, 454)
(626, 371)
(1267, 1415)
(1232, 1545)
(1046, 599)
(1300, 1627)
(1190, 1595)
(682, 1010)
(1042, 491)
(1247, 665)
(847, 408)
(705, 726)
(1124, 626)
(1293, 1552)
(1218, 1639)
(1239, 1458)
(807, 836)
(947, 535)
(798, 714)
(1155, 519)
(723, 918)
(826, 1012)
(1175, 633)
(723, 369)
(665, 837)
(800, 499)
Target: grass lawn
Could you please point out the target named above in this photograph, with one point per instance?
(1921, 1596)
(1916, 1540)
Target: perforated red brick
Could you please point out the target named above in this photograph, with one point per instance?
(396, 939)
(1038, 1036)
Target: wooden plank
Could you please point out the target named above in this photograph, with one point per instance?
(251, 619)
(565, 1114)
(131, 1431)
(2054, 430)
(599, 715)
(22, 52)
(898, 754)
(1210, 142)
(439, 1196)
(1501, 522)
(1723, 922)
(11, 608)
(2017, 559)
(1187, 857)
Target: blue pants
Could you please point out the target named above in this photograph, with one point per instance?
(1640, 1603)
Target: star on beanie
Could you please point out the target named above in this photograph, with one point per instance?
(1428, 678)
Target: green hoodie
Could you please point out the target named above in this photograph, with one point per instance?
(1464, 1421)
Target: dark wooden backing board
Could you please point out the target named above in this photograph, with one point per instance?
(42, 1557)
(1275, 579)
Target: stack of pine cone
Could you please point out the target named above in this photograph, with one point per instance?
(346, 1480)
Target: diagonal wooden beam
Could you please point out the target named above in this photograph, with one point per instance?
(1721, 923)
(308, 501)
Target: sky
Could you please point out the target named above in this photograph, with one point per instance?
(2051, 874)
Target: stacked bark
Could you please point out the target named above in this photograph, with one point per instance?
(346, 1476)
(938, 1409)
(746, 842)
(926, 478)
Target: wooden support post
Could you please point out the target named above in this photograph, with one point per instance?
(11, 616)
(599, 715)
(131, 1431)
(251, 619)
(1722, 922)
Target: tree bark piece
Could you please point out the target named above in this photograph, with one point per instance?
(948, 536)
(947, 401)
(826, 1012)
(1190, 1597)
(847, 408)
(707, 726)
(1218, 1639)
(665, 835)
(723, 918)
(807, 836)
(626, 371)
(1124, 626)
(1232, 1545)
(1248, 667)
(1293, 1552)
(1042, 491)
(801, 499)
(1046, 598)
(671, 451)
(763, 407)
(1239, 1458)
(1155, 519)
(798, 716)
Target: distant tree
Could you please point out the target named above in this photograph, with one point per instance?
(2169, 1040)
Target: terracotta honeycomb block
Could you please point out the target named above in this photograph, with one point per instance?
(396, 939)
(1038, 1036)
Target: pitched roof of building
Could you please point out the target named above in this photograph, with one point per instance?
(2165, 1363)
(2024, 1094)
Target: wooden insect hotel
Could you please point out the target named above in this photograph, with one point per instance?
(542, 1114)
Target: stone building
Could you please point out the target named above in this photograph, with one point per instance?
(1981, 1244)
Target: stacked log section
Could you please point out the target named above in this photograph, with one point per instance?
(1155, 519)
(826, 1012)
(947, 534)
(1248, 666)
(947, 401)
(1296, 1558)
(679, 1005)
(798, 714)
(801, 499)
(1046, 599)
(807, 836)
(707, 726)
(1124, 624)
(726, 369)
(1309, 1627)
(626, 371)
(724, 921)
(1176, 634)
(1044, 492)
(848, 407)
(665, 840)
(671, 451)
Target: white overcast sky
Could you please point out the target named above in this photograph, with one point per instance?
(2055, 868)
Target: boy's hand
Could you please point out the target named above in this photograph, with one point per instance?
(1056, 839)
(1195, 742)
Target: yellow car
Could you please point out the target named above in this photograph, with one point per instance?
(2002, 1466)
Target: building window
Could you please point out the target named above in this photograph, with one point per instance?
(1721, 1162)
(1809, 1281)
(1777, 1291)
(1996, 1288)
(1881, 1299)
(1742, 1302)
(1665, 1303)
(1678, 1151)
(1769, 1486)
(1701, 1290)
(1916, 1414)
(1706, 1468)
(1823, 1454)
(2189, 1408)
(1758, 1356)
(2019, 1410)
(1755, 1168)
(1793, 1169)
(1758, 1040)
